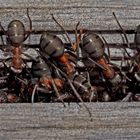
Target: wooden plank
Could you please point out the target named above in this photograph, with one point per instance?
(97, 13)
(93, 14)
(52, 121)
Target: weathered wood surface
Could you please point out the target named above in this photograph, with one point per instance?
(95, 14)
(111, 121)
(53, 121)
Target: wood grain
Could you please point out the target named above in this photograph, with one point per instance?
(95, 14)
(53, 121)
(111, 121)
